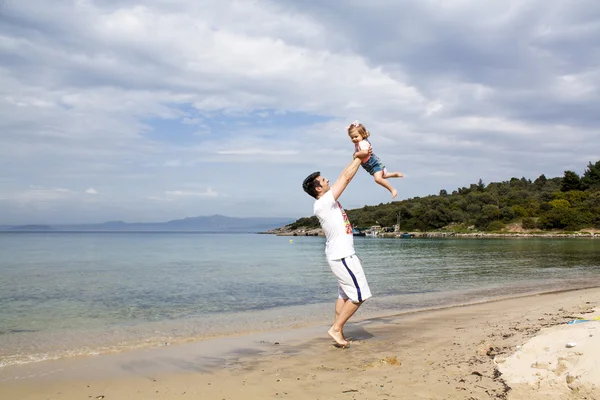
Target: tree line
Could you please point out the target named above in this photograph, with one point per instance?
(569, 203)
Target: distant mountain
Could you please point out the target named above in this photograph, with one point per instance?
(212, 223)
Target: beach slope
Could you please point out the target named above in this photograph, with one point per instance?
(481, 351)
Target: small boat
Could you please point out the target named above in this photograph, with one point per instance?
(405, 235)
(357, 232)
(373, 231)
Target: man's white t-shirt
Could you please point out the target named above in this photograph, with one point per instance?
(337, 228)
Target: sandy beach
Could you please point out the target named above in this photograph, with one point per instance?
(520, 348)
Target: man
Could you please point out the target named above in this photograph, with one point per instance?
(353, 288)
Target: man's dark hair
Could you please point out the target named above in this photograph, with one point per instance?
(311, 183)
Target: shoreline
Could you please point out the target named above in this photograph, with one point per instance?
(417, 354)
(589, 233)
(289, 318)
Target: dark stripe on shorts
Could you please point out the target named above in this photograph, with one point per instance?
(353, 280)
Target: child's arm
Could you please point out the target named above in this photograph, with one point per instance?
(363, 153)
(363, 150)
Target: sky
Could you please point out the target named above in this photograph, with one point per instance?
(147, 111)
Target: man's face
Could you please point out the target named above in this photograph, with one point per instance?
(324, 185)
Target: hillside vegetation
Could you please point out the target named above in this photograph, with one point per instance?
(570, 203)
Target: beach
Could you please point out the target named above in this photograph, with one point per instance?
(488, 350)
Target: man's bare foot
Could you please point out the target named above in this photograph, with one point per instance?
(394, 193)
(338, 337)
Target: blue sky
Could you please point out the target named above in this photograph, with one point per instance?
(156, 110)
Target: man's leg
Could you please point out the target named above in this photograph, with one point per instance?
(351, 282)
(344, 309)
(339, 304)
(338, 307)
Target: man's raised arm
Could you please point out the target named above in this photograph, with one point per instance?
(348, 173)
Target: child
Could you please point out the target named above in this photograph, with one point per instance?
(372, 164)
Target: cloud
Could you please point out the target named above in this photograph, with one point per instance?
(258, 152)
(191, 121)
(91, 191)
(182, 193)
(143, 98)
(173, 163)
(38, 194)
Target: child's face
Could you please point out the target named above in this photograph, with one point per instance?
(355, 137)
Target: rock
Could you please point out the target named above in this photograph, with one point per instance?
(573, 383)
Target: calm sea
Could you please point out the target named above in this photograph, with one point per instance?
(66, 294)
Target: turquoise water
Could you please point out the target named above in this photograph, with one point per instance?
(64, 294)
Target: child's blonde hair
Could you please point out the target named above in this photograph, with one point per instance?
(358, 128)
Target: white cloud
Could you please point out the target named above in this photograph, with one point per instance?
(209, 192)
(91, 191)
(258, 152)
(191, 121)
(36, 194)
(244, 93)
(173, 163)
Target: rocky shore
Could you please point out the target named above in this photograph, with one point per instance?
(591, 233)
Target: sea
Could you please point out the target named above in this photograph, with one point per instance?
(66, 294)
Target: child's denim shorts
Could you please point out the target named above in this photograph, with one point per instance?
(373, 165)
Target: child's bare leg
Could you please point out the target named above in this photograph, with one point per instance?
(387, 175)
(383, 182)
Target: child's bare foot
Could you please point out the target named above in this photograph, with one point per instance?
(394, 193)
(337, 336)
(393, 175)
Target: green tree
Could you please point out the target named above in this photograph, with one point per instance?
(560, 204)
(473, 209)
(575, 197)
(592, 201)
(507, 214)
(528, 223)
(480, 185)
(591, 176)
(557, 218)
(571, 181)
(532, 207)
(491, 211)
(434, 219)
(540, 182)
(305, 222)
(458, 216)
(567, 202)
(488, 198)
(565, 218)
(519, 211)
(495, 226)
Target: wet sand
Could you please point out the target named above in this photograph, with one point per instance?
(451, 353)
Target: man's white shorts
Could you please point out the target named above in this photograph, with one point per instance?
(352, 282)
